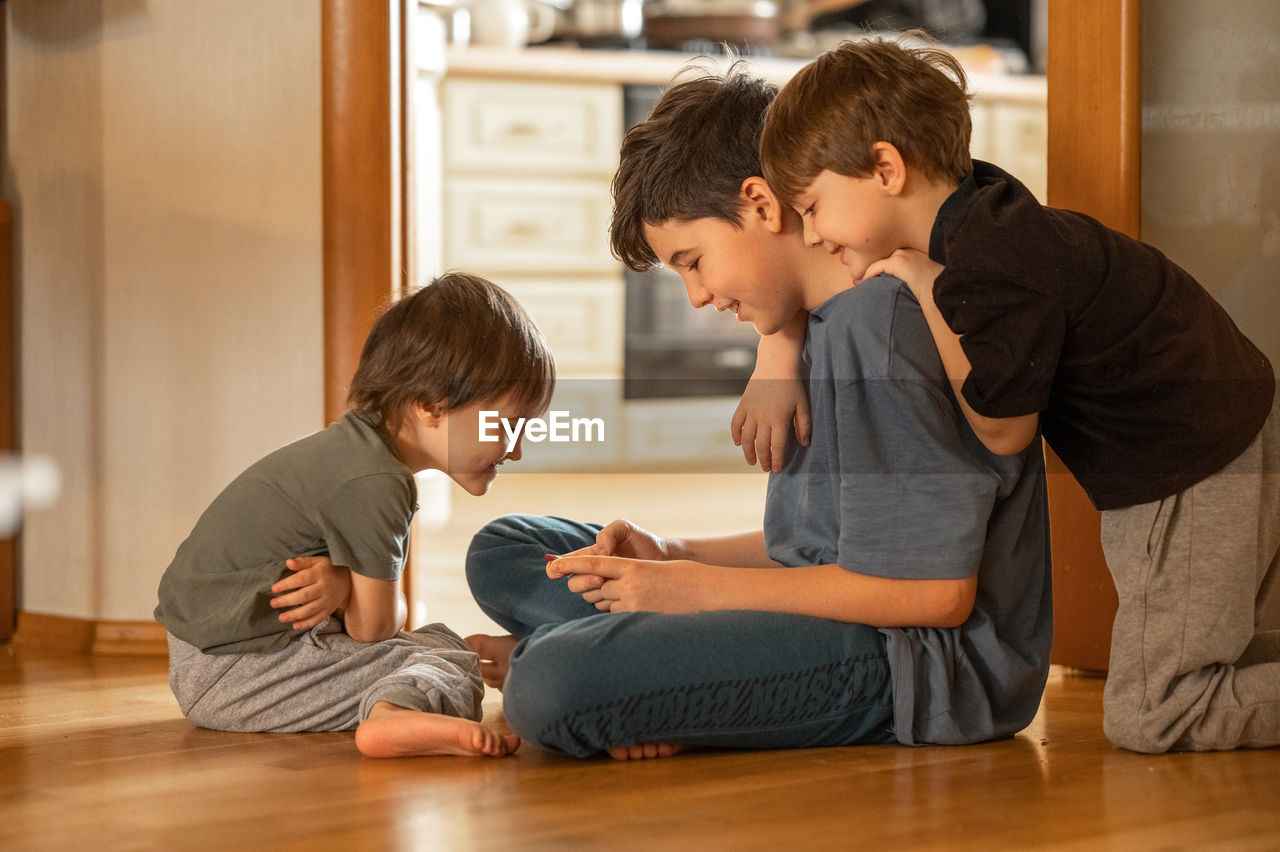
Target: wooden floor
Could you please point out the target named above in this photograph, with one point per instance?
(95, 755)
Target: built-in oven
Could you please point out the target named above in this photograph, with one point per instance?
(672, 350)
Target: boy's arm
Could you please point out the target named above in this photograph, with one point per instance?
(1004, 436)
(314, 591)
(775, 398)
(824, 591)
(376, 610)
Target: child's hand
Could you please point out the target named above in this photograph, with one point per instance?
(776, 399)
(623, 538)
(912, 266)
(614, 584)
(317, 590)
(621, 542)
(766, 414)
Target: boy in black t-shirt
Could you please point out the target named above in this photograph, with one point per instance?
(1046, 319)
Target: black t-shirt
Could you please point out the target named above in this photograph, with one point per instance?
(1143, 384)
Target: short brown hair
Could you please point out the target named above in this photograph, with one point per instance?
(830, 115)
(689, 159)
(458, 340)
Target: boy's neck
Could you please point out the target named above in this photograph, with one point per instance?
(925, 202)
(823, 276)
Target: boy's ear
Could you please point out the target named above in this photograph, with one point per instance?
(761, 203)
(428, 415)
(890, 171)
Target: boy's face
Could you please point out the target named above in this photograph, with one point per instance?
(733, 269)
(451, 443)
(849, 216)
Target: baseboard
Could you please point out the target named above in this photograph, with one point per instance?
(89, 636)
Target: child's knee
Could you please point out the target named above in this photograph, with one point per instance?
(515, 529)
(1128, 723)
(542, 696)
(1123, 730)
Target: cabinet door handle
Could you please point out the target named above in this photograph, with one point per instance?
(524, 230)
(523, 130)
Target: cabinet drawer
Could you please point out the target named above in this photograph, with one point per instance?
(494, 225)
(583, 432)
(532, 126)
(582, 320)
(681, 430)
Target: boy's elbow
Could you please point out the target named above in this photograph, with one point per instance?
(366, 632)
(954, 603)
(1003, 445)
(1007, 436)
(953, 616)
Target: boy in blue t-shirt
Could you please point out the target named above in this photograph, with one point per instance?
(1047, 320)
(899, 587)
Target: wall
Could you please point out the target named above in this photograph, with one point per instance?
(163, 158)
(1211, 158)
(1210, 133)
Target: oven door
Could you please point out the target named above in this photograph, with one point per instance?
(673, 350)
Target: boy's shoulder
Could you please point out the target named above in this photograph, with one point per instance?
(348, 448)
(864, 304)
(879, 327)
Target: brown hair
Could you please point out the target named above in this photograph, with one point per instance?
(458, 340)
(828, 117)
(689, 159)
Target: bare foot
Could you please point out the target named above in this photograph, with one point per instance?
(645, 751)
(495, 656)
(394, 731)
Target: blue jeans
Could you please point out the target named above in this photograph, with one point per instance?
(582, 681)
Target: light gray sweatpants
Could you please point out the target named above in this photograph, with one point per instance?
(1194, 665)
(323, 680)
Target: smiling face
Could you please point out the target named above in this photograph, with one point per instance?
(450, 442)
(852, 217)
(732, 269)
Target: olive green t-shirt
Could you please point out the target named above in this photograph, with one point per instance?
(339, 492)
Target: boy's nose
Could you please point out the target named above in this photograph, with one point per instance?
(699, 296)
(811, 237)
(517, 452)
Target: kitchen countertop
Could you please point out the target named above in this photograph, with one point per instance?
(573, 64)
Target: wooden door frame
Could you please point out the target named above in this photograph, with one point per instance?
(8, 410)
(367, 204)
(8, 370)
(1095, 144)
(369, 211)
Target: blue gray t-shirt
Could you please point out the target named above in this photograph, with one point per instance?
(895, 484)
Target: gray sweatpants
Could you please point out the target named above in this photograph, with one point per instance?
(323, 680)
(1194, 665)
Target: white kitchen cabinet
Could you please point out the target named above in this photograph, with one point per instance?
(550, 128)
(581, 319)
(527, 202)
(1014, 135)
(688, 432)
(513, 225)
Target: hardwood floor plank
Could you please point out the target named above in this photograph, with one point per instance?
(94, 753)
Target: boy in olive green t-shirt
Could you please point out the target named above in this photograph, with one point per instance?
(283, 606)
